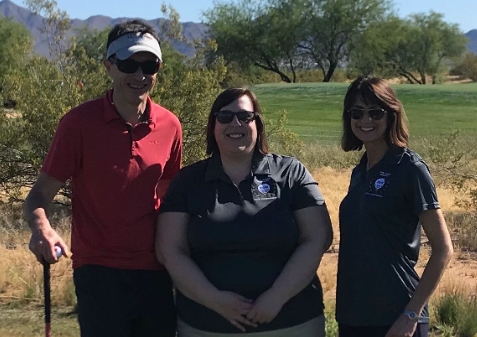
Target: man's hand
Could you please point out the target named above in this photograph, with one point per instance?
(43, 242)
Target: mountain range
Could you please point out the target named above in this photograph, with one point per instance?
(190, 30)
(33, 22)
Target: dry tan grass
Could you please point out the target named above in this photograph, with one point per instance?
(21, 275)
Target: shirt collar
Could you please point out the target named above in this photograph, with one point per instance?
(111, 113)
(215, 170)
(392, 157)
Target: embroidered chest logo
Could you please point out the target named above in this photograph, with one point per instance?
(264, 189)
(378, 184)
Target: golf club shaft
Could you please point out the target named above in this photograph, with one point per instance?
(47, 303)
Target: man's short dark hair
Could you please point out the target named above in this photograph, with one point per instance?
(131, 26)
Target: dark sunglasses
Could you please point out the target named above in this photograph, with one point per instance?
(129, 66)
(227, 116)
(375, 114)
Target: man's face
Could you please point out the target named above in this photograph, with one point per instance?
(133, 78)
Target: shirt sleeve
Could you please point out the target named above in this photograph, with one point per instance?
(424, 195)
(175, 199)
(304, 188)
(63, 160)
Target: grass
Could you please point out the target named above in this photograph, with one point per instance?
(314, 109)
(28, 322)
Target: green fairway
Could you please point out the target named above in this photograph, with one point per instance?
(314, 109)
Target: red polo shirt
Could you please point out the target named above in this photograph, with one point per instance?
(115, 171)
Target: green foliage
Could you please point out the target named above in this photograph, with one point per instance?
(287, 36)
(415, 48)
(190, 92)
(243, 31)
(46, 89)
(458, 311)
(282, 140)
(330, 28)
(16, 41)
(454, 158)
(467, 67)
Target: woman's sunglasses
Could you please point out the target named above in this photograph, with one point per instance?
(129, 66)
(227, 116)
(375, 114)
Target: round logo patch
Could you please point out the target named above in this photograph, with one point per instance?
(379, 183)
(264, 188)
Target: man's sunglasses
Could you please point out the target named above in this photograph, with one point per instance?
(375, 114)
(227, 116)
(129, 66)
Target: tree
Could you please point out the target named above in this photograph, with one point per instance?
(432, 41)
(285, 35)
(416, 47)
(332, 26)
(16, 43)
(262, 33)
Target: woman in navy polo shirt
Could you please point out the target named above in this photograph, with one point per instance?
(391, 194)
(242, 233)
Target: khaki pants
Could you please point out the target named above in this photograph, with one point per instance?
(312, 328)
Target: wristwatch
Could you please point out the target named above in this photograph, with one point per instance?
(411, 315)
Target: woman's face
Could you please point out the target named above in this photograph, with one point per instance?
(368, 122)
(235, 136)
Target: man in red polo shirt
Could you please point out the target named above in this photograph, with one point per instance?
(120, 152)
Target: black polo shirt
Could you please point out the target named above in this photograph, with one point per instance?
(242, 236)
(380, 238)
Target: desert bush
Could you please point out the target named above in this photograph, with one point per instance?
(463, 227)
(467, 67)
(457, 312)
(453, 162)
(316, 155)
(46, 89)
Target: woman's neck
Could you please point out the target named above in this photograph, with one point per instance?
(237, 167)
(375, 152)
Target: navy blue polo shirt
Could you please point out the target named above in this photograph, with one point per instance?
(242, 236)
(380, 238)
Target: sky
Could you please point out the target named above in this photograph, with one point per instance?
(461, 12)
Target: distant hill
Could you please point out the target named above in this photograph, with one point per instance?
(472, 46)
(34, 22)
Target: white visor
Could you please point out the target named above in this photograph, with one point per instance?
(131, 43)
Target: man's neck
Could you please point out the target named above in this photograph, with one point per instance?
(131, 113)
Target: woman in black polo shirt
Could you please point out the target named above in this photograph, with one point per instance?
(242, 233)
(391, 194)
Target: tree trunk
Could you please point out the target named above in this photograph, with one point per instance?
(330, 71)
(284, 77)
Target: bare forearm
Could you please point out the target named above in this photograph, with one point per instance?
(429, 280)
(189, 279)
(299, 270)
(35, 211)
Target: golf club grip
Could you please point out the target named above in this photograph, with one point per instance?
(47, 303)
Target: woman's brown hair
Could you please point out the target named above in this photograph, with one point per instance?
(225, 98)
(375, 91)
